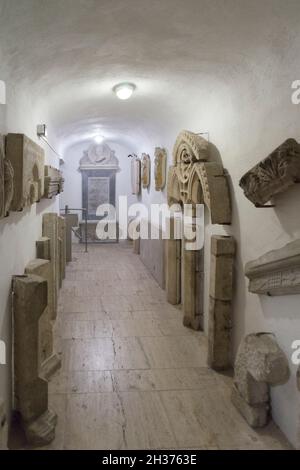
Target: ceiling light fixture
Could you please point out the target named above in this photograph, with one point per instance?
(124, 90)
(99, 139)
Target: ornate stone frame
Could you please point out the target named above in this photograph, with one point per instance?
(193, 180)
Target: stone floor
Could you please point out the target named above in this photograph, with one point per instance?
(132, 376)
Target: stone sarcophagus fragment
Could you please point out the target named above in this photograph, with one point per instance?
(276, 272)
(27, 160)
(49, 362)
(53, 182)
(274, 174)
(31, 391)
(260, 363)
(220, 298)
(6, 181)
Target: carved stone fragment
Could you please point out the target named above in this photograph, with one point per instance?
(220, 292)
(54, 182)
(31, 391)
(146, 163)
(62, 248)
(50, 230)
(276, 272)
(49, 362)
(27, 160)
(6, 181)
(160, 163)
(273, 175)
(3, 426)
(260, 363)
(71, 221)
(135, 175)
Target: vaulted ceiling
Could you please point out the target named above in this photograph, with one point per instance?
(179, 54)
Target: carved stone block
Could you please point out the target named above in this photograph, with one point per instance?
(220, 292)
(6, 181)
(63, 247)
(146, 164)
(71, 221)
(160, 163)
(54, 182)
(135, 175)
(276, 272)
(259, 363)
(3, 426)
(273, 175)
(31, 391)
(27, 160)
(50, 230)
(49, 362)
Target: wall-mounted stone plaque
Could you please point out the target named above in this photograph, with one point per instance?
(146, 164)
(160, 162)
(98, 168)
(135, 175)
(27, 160)
(276, 272)
(274, 174)
(54, 182)
(6, 181)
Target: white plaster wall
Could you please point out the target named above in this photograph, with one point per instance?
(19, 231)
(72, 195)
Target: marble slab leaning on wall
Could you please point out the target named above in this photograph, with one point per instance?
(6, 181)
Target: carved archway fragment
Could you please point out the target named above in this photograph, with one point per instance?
(193, 180)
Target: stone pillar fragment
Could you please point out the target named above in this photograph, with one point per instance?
(71, 221)
(173, 274)
(31, 391)
(220, 295)
(50, 230)
(49, 362)
(260, 363)
(62, 248)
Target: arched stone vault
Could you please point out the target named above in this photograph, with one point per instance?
(193, 179)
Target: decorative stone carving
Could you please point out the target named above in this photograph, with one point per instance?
(146, 163)
(54, 182)
(191, 180)
(48, 361)
(27, 160)
(274, 174)
(220, 296)
(260, 363)
(31, 391)
(99, 155)
(160, 163)
(135, 175)
(6, 181)
(276, 272)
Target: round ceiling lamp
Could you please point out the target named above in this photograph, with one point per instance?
(124, 90)
(99, 139)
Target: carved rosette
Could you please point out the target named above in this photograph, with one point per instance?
(160, 162)
(145, 173)
(193, 180)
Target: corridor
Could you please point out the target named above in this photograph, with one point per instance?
(132, 376)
